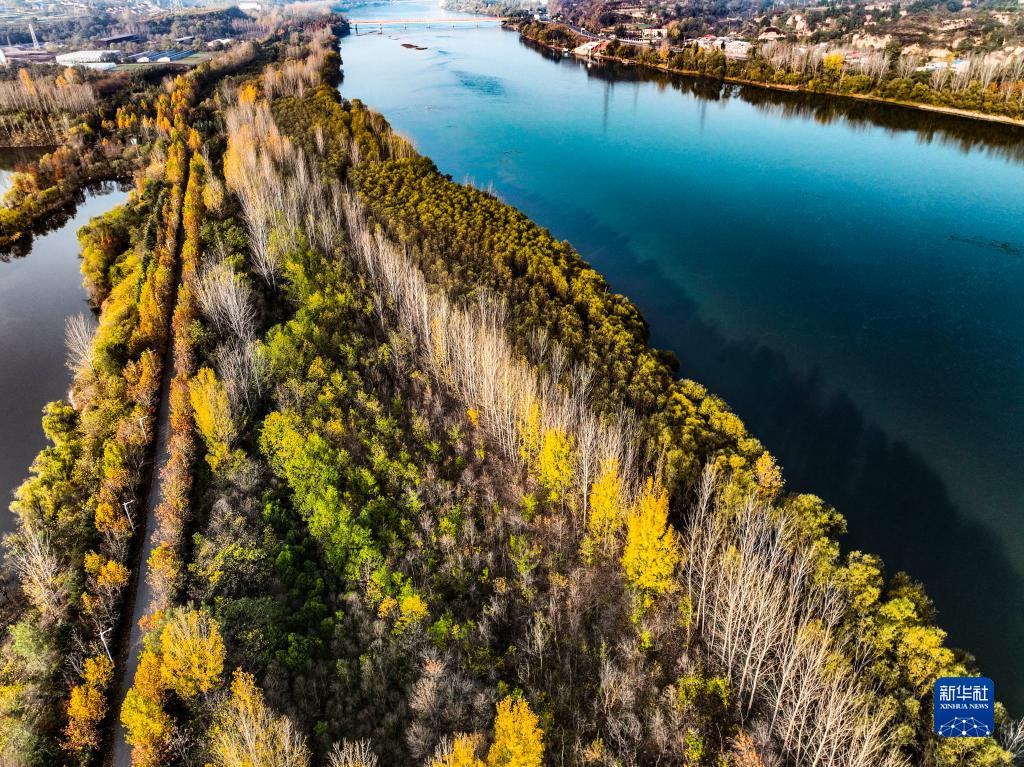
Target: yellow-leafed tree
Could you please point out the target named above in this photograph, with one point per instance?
(651, 553)
(148, 726)
(518, 738)
(606, 512)
(186, 657)
(212, 409)
(462, 754)
(193, 653)
(555, 463)
(247, 734)
(88, 704)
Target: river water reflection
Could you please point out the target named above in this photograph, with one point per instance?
(38, 291)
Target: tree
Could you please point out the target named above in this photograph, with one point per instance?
(555, 463)
(226, 300)
(148, 727)
(833, 65)
(192, 653)
(43, 578)
(247, 734)
(651, 554)
(79, 331)
(352, 754)
(606, 512)
(462, 752)
(518, 738)
(88, 704)
(212, 414)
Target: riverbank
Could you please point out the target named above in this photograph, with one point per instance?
(525, 34)
(53, 185)
(37, 295)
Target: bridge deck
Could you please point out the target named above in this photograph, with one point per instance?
(406, 22)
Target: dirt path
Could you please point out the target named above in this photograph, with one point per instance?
(120, 752)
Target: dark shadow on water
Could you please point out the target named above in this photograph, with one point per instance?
(967, 135)
(17, 157)
(896, 504)
(23, 245)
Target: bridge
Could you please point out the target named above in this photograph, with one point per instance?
(438, 22)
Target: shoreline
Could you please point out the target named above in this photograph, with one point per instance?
(862, 97)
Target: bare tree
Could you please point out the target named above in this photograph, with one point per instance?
(247, 732)
(907, 64)
(939, 77)
(774, 627)
(963, 73)
(42, 575)
(243, 366)
(44, 95)
(79, 331)
(988, 68)
(1011, 737)
(226, 300)
(352, 754)
(875, 65)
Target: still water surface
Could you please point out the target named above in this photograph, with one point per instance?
(849, 279)
(38, 291)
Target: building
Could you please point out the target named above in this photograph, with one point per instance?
(80, 58)
(118, 39)
(730, 46)
(737, 49)
(162, 57)
(957, 65)
(15, 54)
(170, 56)
(590, 48)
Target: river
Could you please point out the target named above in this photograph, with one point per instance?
(849, 278)
(38, 291)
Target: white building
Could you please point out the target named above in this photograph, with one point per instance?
(588, 49)
(730, 46)
(78, 58)
(737, 49)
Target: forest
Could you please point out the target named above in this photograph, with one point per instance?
(429, 495)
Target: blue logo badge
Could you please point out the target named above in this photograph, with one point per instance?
(965, 707)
